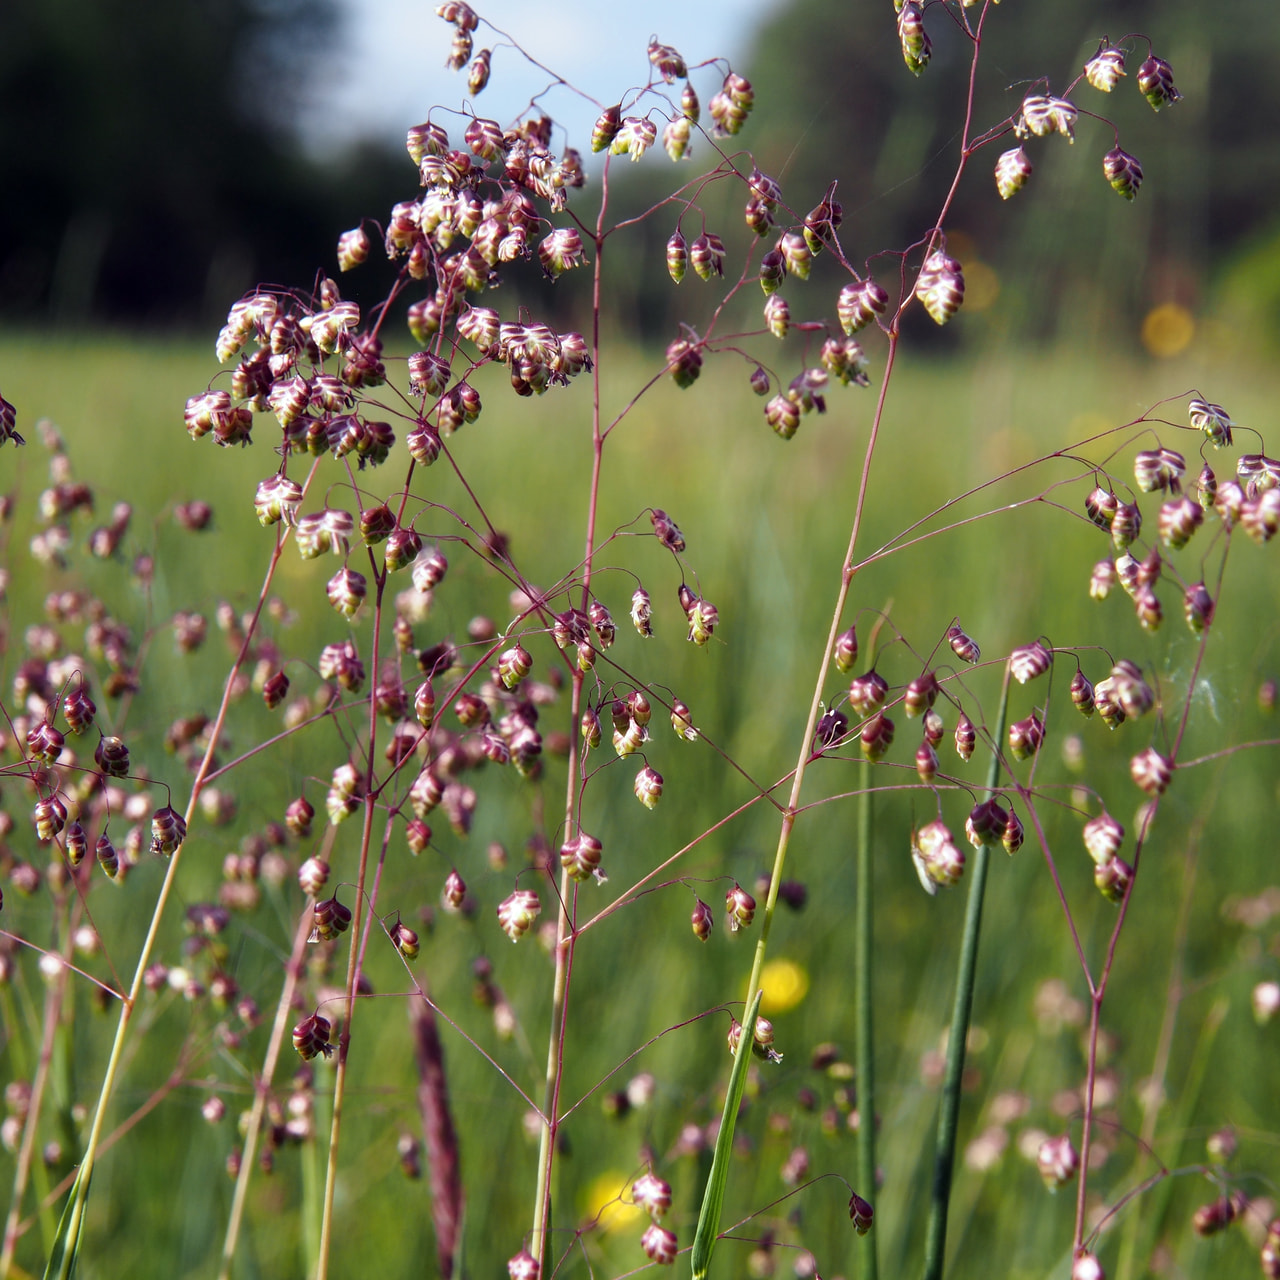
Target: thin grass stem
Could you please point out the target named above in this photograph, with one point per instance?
(949, 1107)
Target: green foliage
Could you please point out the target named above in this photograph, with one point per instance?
(160, 1200)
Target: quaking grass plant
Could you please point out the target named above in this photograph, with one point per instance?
(524, 714)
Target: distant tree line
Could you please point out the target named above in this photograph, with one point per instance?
(150, 167)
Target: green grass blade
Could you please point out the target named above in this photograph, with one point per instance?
(66, 1249)
(704, 1242)
(949, 1105)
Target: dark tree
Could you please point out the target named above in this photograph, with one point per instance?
(150, 167)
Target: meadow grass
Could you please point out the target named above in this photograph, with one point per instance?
(765, 524)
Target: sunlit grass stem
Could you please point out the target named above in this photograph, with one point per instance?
(949, 1107)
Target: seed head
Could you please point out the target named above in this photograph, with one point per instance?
(478, 72)
(648, 787)
(667, 62)
(44, 742)
(1012, 171)
(1107, 703)
(703, 618)
(652, 1194)
(311, 1037)
(524, 1266)
(168, 830)
(861, 1213)
(1026, 736)
(1151, 771)
(1105, 68)
(917, 48)
(741, 908)
(702, 921)
(1206, 487)
(405, 940)
(986, 823)
(634, 137)
(877, 736)
(1057, 1161)
(777, 315)
(1043, 114)
(867, 693)
(677, 256)
(275, 689)
(730, 107)
(313, 875)
(783, 415)
(1260, 516)
(517, 913)
(561, 251)
(79, 709)
(1102, 579)
(675, 137)
(454, 892)
(1197, 607)
(641, 612)
(831, 729)
(1155, 82)
(1266, 1004)
(938, 861)
(685, 360)
(1126, 524)
(1135, 696)
(823, 221)
(590, 728)
(1113, 879)
(665, 530)
(1220, 1213)
(580, 857)
(845, 652)
(330, 918)
(1100, 506)
(417, 835)
(707, 255)
(966, 737)
(1156, 469)
(346, 591)
(1103, 836)
(926, 762)
(514, 664)
(1229, 503)
(1212, 419)
(660, 1245)
(1013, 834)
(845, 360)
(1123, 172)
(963, 646)
(429, 569)
(940, 286)
(920, 694)
(1030, 661)
(298, 817)
(796, 254)
(682, 721)
(1087, 1267)
(107, 857)
(859, 304)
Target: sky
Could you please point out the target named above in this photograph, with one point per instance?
(389, 67)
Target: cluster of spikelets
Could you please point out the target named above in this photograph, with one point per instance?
(939, 284)
(1251, 501)
(1043, 114)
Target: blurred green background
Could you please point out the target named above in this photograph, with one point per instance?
(1057, 356)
